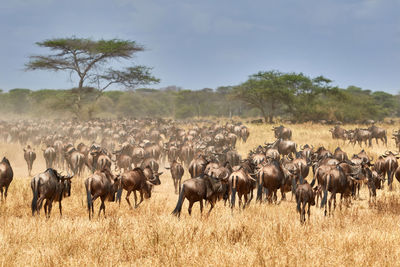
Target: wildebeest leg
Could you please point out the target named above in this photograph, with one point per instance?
(201, 206)
(93, 199)
(245, 201)
(190, 207)
(45, 208)
(303, 211)
(49, 206)
(176, 186)
(134, 195)
(141, 199)
(102, 207)
(240, 199)
(60, 207)
(5, 192)
(1, 191)
(212, 206)
(127, 199)
(39, 203)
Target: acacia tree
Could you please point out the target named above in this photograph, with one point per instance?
(91, 61)
(265, 91)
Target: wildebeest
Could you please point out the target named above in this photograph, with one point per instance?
(49, 155)
(338, 133)
(101, 184)
(378, 133)
(282, 132)
(6, 176)
(50, 186)
(197, 190)
(197, 166)
(75, 160)
(242, 183)
(305, 194)
(284, 147)
(177, 172)
(273, 176)
(138, 180)
(390, 166)
(29, 156)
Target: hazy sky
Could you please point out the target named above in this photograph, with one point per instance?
(209, 43)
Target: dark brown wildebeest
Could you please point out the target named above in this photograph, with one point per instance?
(284, 147)
(6, 176)
(101, 184)
(101, 160)
(197, 166)
(390, 166)
(138, 180)
(241, 182)
(335, 181)
(49, 155)
(378, 133)
(273, 176)
(49, 186)
(150, 162)
(305, 194)
(340, 155)
(282, 132)
(307, 151)
(29, 156)
(177, 172)
(59, 147)
(197, 189)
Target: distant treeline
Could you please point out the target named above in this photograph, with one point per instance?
(347, 105)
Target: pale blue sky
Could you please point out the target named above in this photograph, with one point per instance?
(211, 43)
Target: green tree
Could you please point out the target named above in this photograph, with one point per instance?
(91, 62)
(266, 91)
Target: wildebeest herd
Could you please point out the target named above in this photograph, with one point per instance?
(128, 154)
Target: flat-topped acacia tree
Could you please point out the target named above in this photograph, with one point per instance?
(91, 62)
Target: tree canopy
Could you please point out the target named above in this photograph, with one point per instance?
(91, 62)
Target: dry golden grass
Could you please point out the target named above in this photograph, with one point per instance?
(262, 234)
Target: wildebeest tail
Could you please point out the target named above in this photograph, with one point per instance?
(324, 199)
(259, 185)
(178, 208)
(233, 190)
(35, 195)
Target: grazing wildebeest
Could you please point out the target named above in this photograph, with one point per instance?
(305, 194)
(29, 156)
(49, 186)
(49, 155)
(242, 183)
(197, 189)
(101, 184)
(282, 132)
(362, 135)
(177, 172)
(138, 180)
(6, 176)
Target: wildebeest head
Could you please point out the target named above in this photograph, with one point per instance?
(66, 181)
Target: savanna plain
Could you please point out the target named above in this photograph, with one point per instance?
(262, 234)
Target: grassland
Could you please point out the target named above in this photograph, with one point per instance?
(260, 235)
